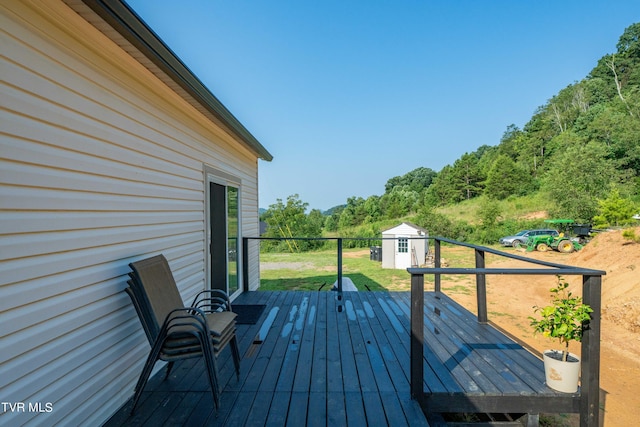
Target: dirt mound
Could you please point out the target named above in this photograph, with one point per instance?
(610, 252)
(620, 258)
(620, 338)
(626, 314)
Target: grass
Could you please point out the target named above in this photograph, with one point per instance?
(510, 208)
(318, 270)
(558, 420)
(458, 289)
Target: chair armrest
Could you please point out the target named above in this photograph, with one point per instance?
(188, 317)
(211, 300)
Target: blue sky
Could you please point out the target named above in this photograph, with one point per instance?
(347, 94)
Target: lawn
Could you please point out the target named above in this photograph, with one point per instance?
(317, 270)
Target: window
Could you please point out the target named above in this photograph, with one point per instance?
(403, 245)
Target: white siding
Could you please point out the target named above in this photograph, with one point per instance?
(388, 252)
(101, 164)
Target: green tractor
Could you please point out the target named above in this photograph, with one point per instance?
(561, 243)
(558, 243)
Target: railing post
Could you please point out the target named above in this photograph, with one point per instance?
(417, 336)
(436, 264)
(481, 288)
(245, 264)
(339, 267)
(590, 375)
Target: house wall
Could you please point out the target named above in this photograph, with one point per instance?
(101, 164)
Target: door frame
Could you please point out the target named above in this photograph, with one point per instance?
(212, 175)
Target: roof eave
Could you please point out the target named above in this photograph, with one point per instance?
(128, 24)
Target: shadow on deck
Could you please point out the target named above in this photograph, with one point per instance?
(314, 359)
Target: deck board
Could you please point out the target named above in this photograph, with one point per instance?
(329, 361)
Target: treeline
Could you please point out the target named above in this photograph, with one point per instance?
(581, 149)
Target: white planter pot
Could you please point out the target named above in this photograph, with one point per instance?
(559, 375)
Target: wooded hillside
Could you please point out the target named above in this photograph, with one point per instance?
(580, 152)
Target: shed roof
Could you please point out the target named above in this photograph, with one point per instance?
(120, 23)
(404, 226)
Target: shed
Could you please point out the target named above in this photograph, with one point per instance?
(112, 151)
(403, 246)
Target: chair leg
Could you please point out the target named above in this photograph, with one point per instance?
(154, 354)
(169, 367)
(236, 355)
(212, 373)
(142, 380)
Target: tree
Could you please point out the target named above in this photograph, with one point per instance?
(578, 177)
(621, 70)
(315, 221)
(443, 190)
(417, 180)
(610, 124)
(565, 107)
(614, 210)
(333, 217)
(290, 220)
(353, 213)
(506, 178)
(488, 213)
(611, 63)
(629, 41)
(372, 209)
(401, 201)
(488, 232)
(509, 143)
(468, 177)
(629, 56)
(440, 225)
(537, 134)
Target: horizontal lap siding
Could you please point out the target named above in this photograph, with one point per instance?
(100, 165)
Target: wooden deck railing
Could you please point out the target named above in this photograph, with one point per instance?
(591, 294)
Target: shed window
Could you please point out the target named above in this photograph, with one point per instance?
(403, 245)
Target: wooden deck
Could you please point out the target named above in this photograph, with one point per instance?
(315, 360)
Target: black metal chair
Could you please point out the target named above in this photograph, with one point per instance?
(175, 331)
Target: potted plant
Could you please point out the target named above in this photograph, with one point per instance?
(564, 320)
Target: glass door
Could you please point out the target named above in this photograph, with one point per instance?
(233, 238)
(224, 236)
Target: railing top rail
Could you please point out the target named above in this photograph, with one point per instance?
(335, 238)
(558, 268)
(565, 269)
(569, 271)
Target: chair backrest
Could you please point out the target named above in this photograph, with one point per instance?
(155, 290)
(149, 330)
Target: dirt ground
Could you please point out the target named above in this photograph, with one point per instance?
(511, 298)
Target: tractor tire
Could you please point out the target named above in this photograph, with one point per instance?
(566, 246)
(542, 247)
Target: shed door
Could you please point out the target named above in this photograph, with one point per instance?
(403, 255)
